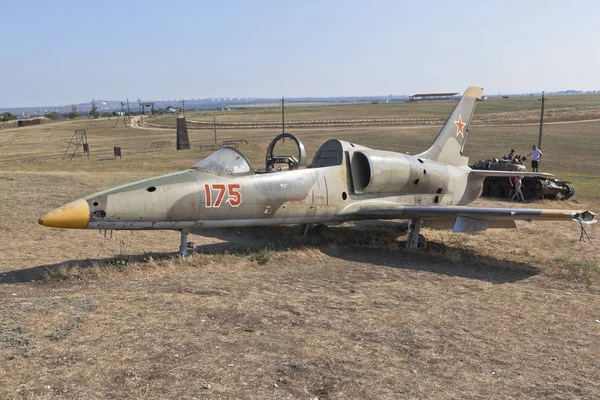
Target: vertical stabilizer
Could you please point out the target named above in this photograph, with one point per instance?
(449, 143)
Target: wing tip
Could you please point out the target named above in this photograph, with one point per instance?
(585, 216)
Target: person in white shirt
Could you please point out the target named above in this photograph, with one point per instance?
(518, 193)
(535, 154)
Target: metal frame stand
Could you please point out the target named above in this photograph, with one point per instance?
(79, 139)
(306, 229)
(584, 234)
(184, 245)
(414, 227)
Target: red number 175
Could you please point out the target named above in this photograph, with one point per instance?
(234, 197)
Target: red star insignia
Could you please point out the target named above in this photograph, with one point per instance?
(459, 126)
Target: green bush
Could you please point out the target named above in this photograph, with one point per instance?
(53, 115)
(7, 116)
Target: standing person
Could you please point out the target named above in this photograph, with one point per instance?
(513, 184)
(535, 154)
(518, 193)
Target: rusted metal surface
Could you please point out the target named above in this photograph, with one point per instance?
(183, 139)
(28, 122)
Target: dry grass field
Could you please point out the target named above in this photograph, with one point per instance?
(266, 313)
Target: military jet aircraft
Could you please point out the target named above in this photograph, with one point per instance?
(344, 182)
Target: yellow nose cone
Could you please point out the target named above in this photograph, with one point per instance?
(74, 215)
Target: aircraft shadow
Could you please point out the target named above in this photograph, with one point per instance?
(374, 242)
(481, 268)
(43, 272)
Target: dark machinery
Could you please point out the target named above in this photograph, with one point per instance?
(534, 187)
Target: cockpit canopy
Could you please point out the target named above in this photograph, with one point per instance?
(225, 161)
(329, 154)
(230, 161)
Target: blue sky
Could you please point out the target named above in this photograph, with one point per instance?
(56, 53)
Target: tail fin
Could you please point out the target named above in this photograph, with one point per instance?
(449, 143)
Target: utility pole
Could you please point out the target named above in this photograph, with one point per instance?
(124, 116)
(122, 113)
(128, 120)
(283, 117)
(215, 127)
(183, 107)
(541, 122)
(141, 111)
(282, 114)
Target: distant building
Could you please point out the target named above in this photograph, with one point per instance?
(571, 91)
(145, 105)
(28, 122)
(172, 110)
(434, 96)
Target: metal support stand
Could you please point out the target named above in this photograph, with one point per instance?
(306, 229)
(584, 234)
(415, 241)
(184, 245)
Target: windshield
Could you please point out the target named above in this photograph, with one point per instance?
(225, 161)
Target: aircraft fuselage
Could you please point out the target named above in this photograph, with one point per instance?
(194, 199)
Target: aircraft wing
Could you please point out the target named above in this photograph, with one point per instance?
(462, 218)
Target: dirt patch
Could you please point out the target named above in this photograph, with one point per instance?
(374, 323)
